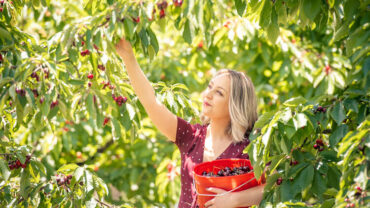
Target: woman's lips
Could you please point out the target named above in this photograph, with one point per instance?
(206, 103)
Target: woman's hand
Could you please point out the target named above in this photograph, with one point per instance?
(223, 201)
(124, 49)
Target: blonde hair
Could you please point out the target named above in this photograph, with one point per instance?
(242, 105)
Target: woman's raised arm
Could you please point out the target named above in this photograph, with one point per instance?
(162, 118)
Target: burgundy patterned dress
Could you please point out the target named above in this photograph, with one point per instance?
(190, 140)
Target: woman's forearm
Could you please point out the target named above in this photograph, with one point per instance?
(142, 87)
(249, 197)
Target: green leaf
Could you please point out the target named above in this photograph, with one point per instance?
(351, 104)
(169, 99)
(91, 203)
(153, 40)
(286, 115)
(330, 156)
(88, 181)
(240, 6)
(151, 52)
(294, 102)
(90, 106)
(300, 120)
(129, 28)
(21, 157)
(263, 120)
(331, 3)
(311, 8)
(78, 173)
(265, 15)
(131, 111)
(68, 168)
(273, 28)
(39, 166)
(338, 134)
(329, 203)
(303, 179)
(271, 180)
(5, 80)
(338, 113)
(76, 82)
(273, 32)
(188, 32)
(116, 128)
(25, 183)
(4, 170)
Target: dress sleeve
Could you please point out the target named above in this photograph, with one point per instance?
(186, 134)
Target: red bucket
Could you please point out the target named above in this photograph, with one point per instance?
(227, 183)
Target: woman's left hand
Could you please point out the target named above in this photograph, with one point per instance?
(222, 201)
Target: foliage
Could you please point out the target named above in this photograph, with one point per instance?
(59, 71)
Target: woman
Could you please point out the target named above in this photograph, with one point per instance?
(229, 113)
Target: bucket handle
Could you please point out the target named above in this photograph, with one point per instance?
(222, 193)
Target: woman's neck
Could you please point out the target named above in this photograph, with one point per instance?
(217, 129)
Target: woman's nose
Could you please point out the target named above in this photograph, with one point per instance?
(208, 94)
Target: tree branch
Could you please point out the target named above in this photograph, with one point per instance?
(100, 150)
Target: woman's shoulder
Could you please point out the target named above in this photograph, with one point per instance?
(196, 128)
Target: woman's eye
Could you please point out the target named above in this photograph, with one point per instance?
(219, 92)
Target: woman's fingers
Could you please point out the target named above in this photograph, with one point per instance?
(209, 203)
(124, 48)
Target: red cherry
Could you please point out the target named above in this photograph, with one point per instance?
(327, 69)
(106, 120)
(279, 181)
(320, 142)
(35, 93)
(101, 67)
(162, 14)
(96, 47)
(358, 188)
(11, 166)
(200, 45)
(53, 104)
(90, 76)
(1, 58)
(82, 43)
(169, 167)
(85, 52)
(42, 100)
(18, 163)
(177, 3)
(1, 9)
(315, 146)
(137, 19)
(89, 84)
(321, 148)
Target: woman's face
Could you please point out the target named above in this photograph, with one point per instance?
(216, 98)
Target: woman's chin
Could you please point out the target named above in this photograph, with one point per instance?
(206, 113)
